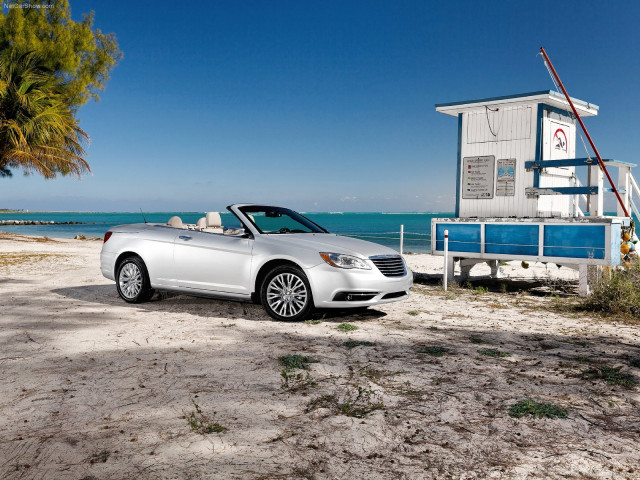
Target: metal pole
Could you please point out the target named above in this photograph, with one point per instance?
(401, 238)
(446, 259)
(593, 146)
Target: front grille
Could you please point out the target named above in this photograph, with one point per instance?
(389, 265)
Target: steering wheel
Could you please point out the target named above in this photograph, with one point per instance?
(284, 230)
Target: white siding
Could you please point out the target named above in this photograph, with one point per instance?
(556, 205)
(504, 124)
(515, 135)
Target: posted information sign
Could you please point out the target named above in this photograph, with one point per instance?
(477, 176)
(506, 178)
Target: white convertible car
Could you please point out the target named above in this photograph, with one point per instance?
(274, 256)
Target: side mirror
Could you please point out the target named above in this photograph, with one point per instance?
(234, 231)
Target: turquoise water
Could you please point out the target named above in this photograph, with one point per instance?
(383, 228)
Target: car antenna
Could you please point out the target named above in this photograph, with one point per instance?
(145, 220)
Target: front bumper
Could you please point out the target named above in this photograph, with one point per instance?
(327, 282)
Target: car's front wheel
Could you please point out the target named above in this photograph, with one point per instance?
(132, 280)
(286, 294)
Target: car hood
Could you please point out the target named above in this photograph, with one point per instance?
(328, 242)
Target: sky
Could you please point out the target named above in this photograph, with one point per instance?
(325, 106)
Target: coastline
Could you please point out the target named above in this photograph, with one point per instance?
(376, 227)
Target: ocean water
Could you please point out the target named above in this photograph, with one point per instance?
(383, 228)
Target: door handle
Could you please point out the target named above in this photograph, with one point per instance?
(184, 237)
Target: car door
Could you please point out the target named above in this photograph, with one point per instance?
(156, 249)
(213, 262)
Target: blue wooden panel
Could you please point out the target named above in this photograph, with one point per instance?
(575, 241)
(572, 162)
(512, 239)
(563, 190)
(462, 237)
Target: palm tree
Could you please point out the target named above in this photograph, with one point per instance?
(38, 130)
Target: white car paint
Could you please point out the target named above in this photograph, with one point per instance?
(220, 265)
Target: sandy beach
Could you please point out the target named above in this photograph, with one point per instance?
(93, 388)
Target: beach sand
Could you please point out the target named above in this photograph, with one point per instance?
(94, 388)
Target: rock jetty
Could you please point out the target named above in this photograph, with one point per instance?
(37, 222)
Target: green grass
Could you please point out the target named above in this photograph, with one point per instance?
(635, 362)
(474, 339)
(536, 409)
(434, 351)
(294, 381)
(347, 327)
(433, 328)
(492, 352)
(313, 321)
(611, 375)
(357, 343)
(413, 313)
(201, 423)
(357, 402)
(293, 361)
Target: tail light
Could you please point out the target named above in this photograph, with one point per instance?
(107, 236)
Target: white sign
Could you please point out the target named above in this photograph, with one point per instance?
(560, 135)
(477, 176)
(506, 178)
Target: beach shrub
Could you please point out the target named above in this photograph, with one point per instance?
(346, 327)
(618, 293)
(357, 343)
(434, 351)
(474, 339)
(201, 423)
(536, 409)
(356, 402)
(492, 352)
(292, 361)
(610, 375)
(294, 381)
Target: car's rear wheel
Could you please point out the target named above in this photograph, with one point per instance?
(132, 280)
(286, 294)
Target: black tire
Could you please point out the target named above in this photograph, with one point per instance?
(132, 280)
(285, 294)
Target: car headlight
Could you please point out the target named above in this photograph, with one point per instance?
(340, 260)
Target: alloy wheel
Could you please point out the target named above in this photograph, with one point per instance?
(130, 280)
(287, 294)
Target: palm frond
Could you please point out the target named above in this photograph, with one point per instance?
(38, 130)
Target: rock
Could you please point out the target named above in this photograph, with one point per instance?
(80, 237)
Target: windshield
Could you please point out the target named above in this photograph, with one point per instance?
(279, 220)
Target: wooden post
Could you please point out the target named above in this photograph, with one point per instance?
(445, 277)
(624, 185)
(596, 203)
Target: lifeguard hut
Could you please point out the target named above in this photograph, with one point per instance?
(517, 193)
